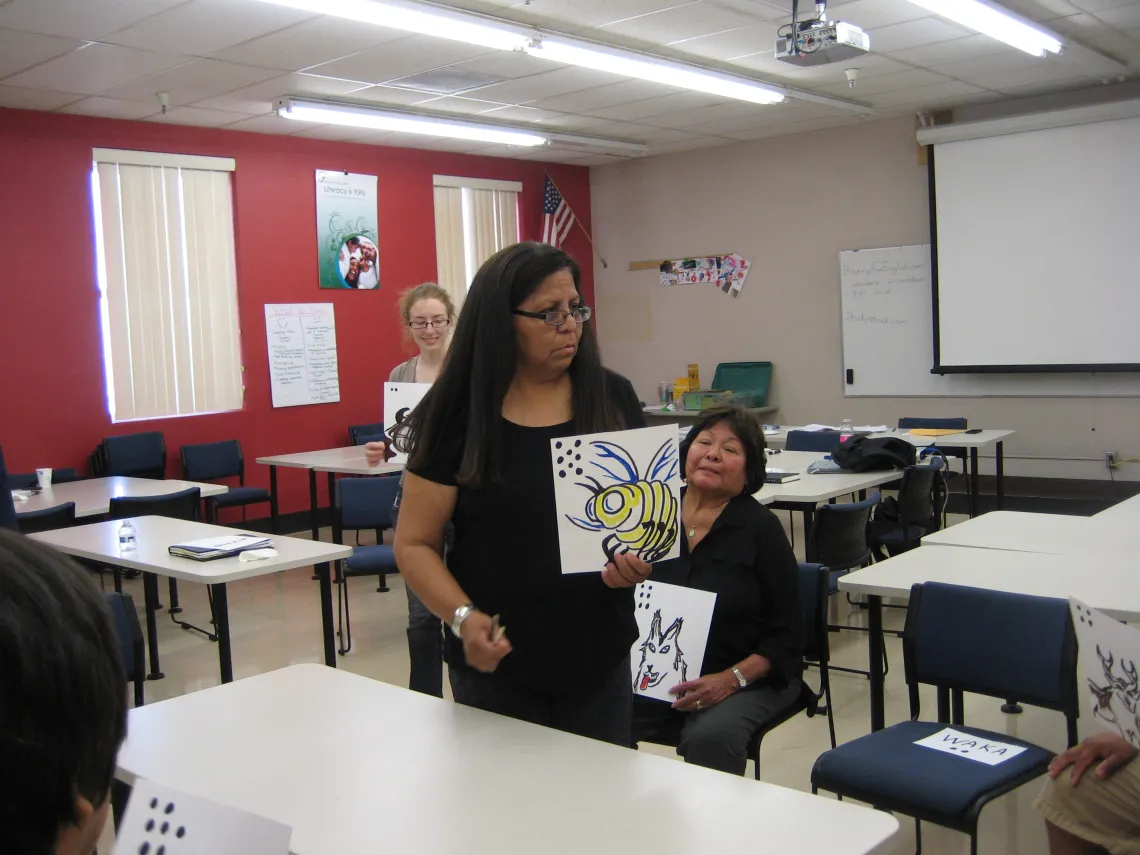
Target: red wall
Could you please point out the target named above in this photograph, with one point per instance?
(54, 407)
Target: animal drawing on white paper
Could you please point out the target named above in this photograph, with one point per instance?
(1117, 696)
(639, 510)
(1109, 652)
(673, 630)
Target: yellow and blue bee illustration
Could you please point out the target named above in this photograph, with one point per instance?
(639, 511)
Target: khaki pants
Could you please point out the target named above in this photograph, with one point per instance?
(1106, 813)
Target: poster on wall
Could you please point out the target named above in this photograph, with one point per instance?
(347, 231)
(301, 338)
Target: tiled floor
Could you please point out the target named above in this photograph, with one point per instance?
(276, 622)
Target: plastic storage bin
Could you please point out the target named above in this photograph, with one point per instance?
(748, 381)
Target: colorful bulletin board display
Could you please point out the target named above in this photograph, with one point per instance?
(347, 230)
(725, 272)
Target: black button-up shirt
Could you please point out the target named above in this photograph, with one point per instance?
(745, 559)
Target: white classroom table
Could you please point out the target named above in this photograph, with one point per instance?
(971, 441)
(404, 772)
(1126, 513)
(1055, 534)
(100, 542)
(348, 460)
(93, 496)
(1104, 580)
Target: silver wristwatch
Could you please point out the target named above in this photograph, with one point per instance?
(740, 678)
(461, 614)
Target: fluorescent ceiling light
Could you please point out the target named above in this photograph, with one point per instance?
(998, 23)
(331, 113)
(629, 63)
(425, 18)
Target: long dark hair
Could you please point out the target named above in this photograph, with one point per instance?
(480, 365)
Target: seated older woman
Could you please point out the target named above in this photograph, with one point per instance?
(736, 548)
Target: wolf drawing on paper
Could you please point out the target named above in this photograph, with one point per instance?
(1117, 701)
(639, 511)
(661, 655)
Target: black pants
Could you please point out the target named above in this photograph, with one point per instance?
(602, 713)
(718, 737)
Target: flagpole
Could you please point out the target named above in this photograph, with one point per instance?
(579, 222)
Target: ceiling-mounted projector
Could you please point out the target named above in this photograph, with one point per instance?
(817, 41)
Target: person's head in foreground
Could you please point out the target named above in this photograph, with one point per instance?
(723, 453)
(523, 327)
(63, 704)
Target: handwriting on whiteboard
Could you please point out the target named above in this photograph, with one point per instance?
(864, 318)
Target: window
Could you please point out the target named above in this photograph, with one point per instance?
(168, 284)
(474, 219)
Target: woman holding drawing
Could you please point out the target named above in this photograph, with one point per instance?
(427, 313)
(736, 548)
(524, 369)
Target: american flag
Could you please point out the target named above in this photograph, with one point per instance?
(558, 218)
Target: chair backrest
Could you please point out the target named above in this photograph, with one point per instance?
(909, 422)
(824, 441)
(365, 502)
(991, 643)
(210, 461)
(360, 434)
(61, 516)
(183, 505)
(839, 535)
(813, 608)
(127, 628)
(142, 455)
(916, 494)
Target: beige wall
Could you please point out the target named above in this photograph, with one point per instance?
(789, 205)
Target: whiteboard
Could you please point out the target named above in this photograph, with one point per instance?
(888, 338)
(301, 338)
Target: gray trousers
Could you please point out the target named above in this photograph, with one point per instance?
(718, 737)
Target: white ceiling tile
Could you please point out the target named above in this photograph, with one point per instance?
(577, 15)
(687, 20)
(884, 83)
(19, 51)
(196, 116)
(520, 114)
(726, 46)
(598, 97)
(717, 112)
(991, 66)
(1041, 10)
(112, 108)
(271, 125)
(202, 27)
(574, 123)
(1122, 17)
(912, 34)
(927, 94)
(309, 43)
(261, 97)
(455, 104)
(1012, 81)
(545, 85)
(411, 55)
(658, 106)
(664, 135)
(387, 95)
(194, 81)
(1099, 5)
(869, 14)
(78, 19)
(94, 68)
(688, 145)
(508, 64)
(35, 99)
(955, 51)
(726, 127)
(337, 133)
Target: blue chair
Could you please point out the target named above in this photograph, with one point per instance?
(823, 441)
(29, 480)
(361, 503)
(958, 424)
(126, 621)
(961, 640)
(47, 519)
(140, 455)
(901, 523)
(214, 461)
(360, 434)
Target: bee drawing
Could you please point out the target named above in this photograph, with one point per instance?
(638, 511)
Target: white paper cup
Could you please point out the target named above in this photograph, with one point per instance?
(44, 476)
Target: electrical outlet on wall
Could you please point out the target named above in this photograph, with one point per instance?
(1110, 459)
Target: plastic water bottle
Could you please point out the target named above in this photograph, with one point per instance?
(128, 541)
(846, 431)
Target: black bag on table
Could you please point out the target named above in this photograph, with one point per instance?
(874, 454)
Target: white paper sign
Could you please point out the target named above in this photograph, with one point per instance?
(617, 492)
(399, 400)
(673, 630)
(962, 744)
(301, 338)
(1110, 658)
(161, 820)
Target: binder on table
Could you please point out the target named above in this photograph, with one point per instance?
(209, 548)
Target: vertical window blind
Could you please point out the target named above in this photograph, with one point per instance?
(168, 281)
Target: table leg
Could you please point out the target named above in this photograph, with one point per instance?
(150, 598)
(875, 651)
(957, 707)
(273, 497)
(314, 528)
(999, 462)
(222, 616)
(809, 524)
(327, 614)
(973, 482)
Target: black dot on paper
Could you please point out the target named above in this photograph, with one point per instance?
(558, 445)
(165, 827)
(153, 804)
(169, 808)
(161, 851)
(577, 456)
(562, 473)
(144, 848)
(181, 832)
(577, 471)
(577, 443)
(150, 825)
(561, 460)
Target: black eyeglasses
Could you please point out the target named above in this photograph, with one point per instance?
(557, 317)
(438, 323)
